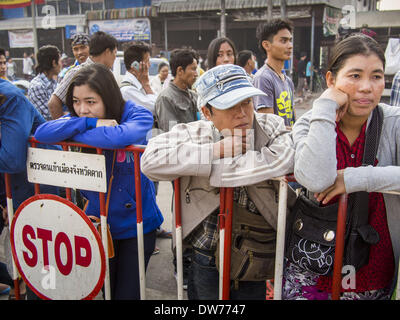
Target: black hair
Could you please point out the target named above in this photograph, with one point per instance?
(267, 31)
(134, 51)
(213, 49)
(2, 52)
(356, 43)
(243, 57)
(182, 58)
(162, 65)
(100, 42)
(102, 81)
(45, 57)
(209, 107)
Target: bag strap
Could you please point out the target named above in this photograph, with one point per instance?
(373, 136)
(110, 183)
(360, 208)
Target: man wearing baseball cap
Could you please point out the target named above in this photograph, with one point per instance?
(235, 147)
(80, 50)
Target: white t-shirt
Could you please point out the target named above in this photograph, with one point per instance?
(27, 66)
(156, 84)
(135, 92)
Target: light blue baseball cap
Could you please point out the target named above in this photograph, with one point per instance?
(224, 86)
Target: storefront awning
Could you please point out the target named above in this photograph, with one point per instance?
(127, 13)
(210, 5)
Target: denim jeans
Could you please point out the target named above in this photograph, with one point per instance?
(203, 281)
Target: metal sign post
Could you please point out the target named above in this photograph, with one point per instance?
(60, 168)
(226, 271)
(57, 249)
(139, 228)
(280, 239)
(178, 239)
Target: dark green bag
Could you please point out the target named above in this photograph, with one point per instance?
(253, 247)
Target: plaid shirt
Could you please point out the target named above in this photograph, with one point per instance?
(205, 235)
(395, 93)
(39, 93)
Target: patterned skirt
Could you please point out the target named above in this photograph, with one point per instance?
(299, 284)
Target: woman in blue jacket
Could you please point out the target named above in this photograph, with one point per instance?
(101, 118)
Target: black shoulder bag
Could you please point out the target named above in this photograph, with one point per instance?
(311, 229)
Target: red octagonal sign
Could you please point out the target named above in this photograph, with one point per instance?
(57, 250)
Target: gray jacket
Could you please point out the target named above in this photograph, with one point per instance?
(174, 105)
(314, 138)
(186, 152)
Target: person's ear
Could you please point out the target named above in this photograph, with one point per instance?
(330, 79)
(179, 71)
(266, 45)
(206, 112)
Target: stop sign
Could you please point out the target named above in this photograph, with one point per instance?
(56, 248)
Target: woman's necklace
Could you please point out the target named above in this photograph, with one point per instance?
(281, 76)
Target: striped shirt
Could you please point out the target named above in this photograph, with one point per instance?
(62, 88)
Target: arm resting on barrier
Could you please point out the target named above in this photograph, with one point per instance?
(314, 137)
(134, 129)
(274, 159)
(372, 179)
(368, 178)
(63, 128)
(186, 150)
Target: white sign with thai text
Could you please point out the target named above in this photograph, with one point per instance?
(67, 169)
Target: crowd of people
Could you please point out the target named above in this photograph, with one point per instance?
(231, 125)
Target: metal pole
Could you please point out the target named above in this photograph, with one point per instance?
(270, 8)
(280, 239)
(291, 58)
(339, 248)
(104, 239)
(178, 239)
(312, 48)
(139, 219)
(223, 19)
(227, 244)
(36, 186)
(67, 190)
(283, 9)
(63, 38)
(221, 239)
(35, 38)
(166, 37)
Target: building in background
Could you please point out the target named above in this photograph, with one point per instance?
(170, 24)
